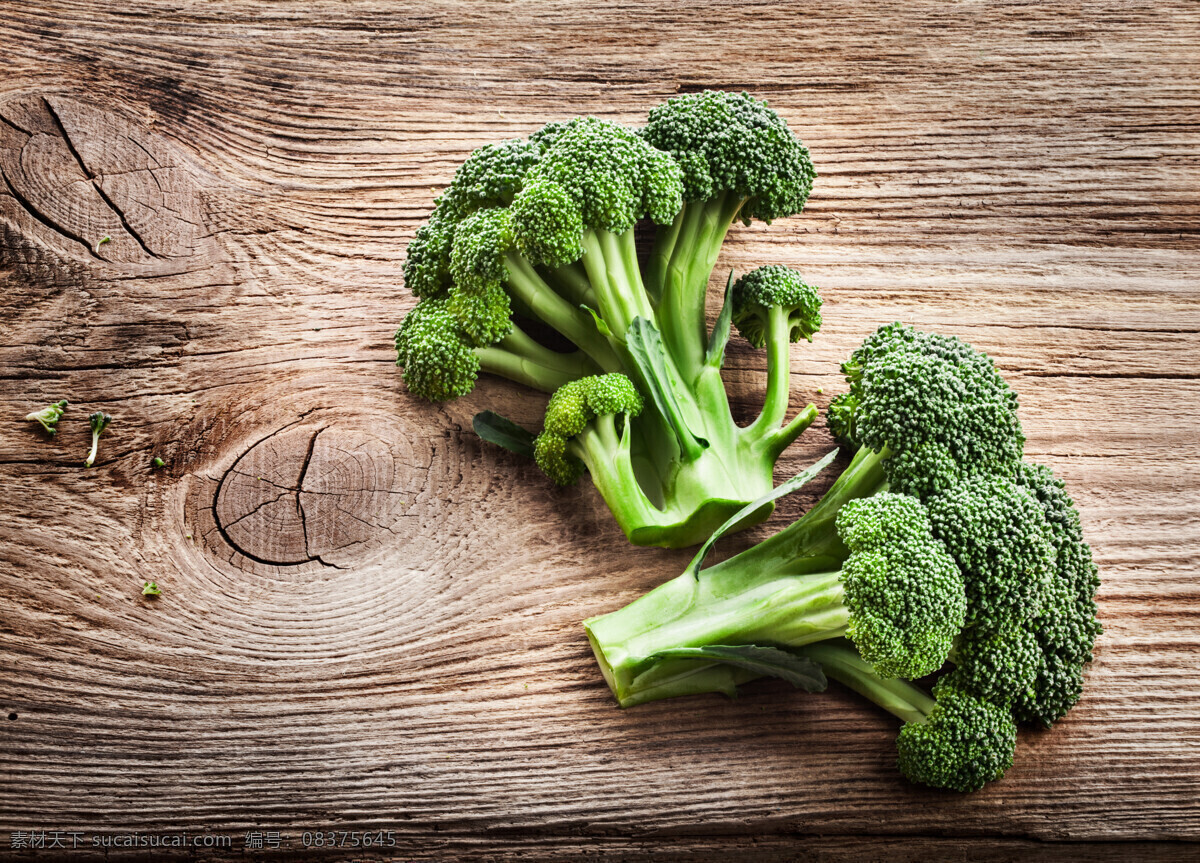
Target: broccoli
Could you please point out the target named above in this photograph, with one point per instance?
(898, 596)
(528, 269)
(938, 435)
(49, 416)
(151, 588)
(99, 422)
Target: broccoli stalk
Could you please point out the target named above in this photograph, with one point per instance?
(99, 422)
(898, 596)
(48, 416)
(543, 230)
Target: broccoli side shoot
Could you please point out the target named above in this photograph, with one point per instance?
(99, 421)
(48, 416)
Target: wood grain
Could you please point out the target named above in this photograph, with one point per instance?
(370, 620)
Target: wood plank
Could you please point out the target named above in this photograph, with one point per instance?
(370, 620)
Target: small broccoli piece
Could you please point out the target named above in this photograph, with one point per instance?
(586, 427)
(773, 307)
(774, 301)
(964, 743)
(899, 597)
(99, 422)
(48, 416)
(150, 588)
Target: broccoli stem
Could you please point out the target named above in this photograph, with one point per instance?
(549, 306)
(519, 358)
(610, 261)
(775, 403)
(842, 662)
(742, 607)
(681, 262)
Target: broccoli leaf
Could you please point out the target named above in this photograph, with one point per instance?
(801, 672)
(503, 432)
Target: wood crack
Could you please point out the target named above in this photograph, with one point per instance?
(120, 214)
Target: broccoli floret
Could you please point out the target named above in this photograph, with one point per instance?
(964, 742)
(773, 307)
(587, 428)
(48, 416)
(431, 346)
(99, 422)
(899, 597)
(936, 405)
(739, 161)
(998, 535)
(544, 229)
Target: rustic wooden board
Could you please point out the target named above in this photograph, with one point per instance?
(370, 620)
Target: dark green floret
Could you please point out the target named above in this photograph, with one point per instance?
(935, 404)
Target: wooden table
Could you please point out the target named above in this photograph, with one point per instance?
(369, 619)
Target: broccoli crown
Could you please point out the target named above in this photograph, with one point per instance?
(964, 743)
(732, 142)
(904, 592)
(998, 663)
(592, 174)
(998, 535)
(755, 293)
(1067, 628)
(937, 404)
(438, 363)
(571, 409)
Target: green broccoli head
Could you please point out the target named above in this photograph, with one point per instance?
(775, 286)
(935, 403)
(998, 663)
(427, 260)
(478, 298)
(904, 592)
(964, 743)
(430, 345)
(998, 535)
(732, 142)
(592, 174)
(572, 408)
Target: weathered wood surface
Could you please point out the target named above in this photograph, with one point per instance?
(370, 620)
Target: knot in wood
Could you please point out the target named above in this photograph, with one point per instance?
(308, 494)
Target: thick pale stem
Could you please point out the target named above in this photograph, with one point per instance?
(686, 612)
(682, 261)
(615, 279)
